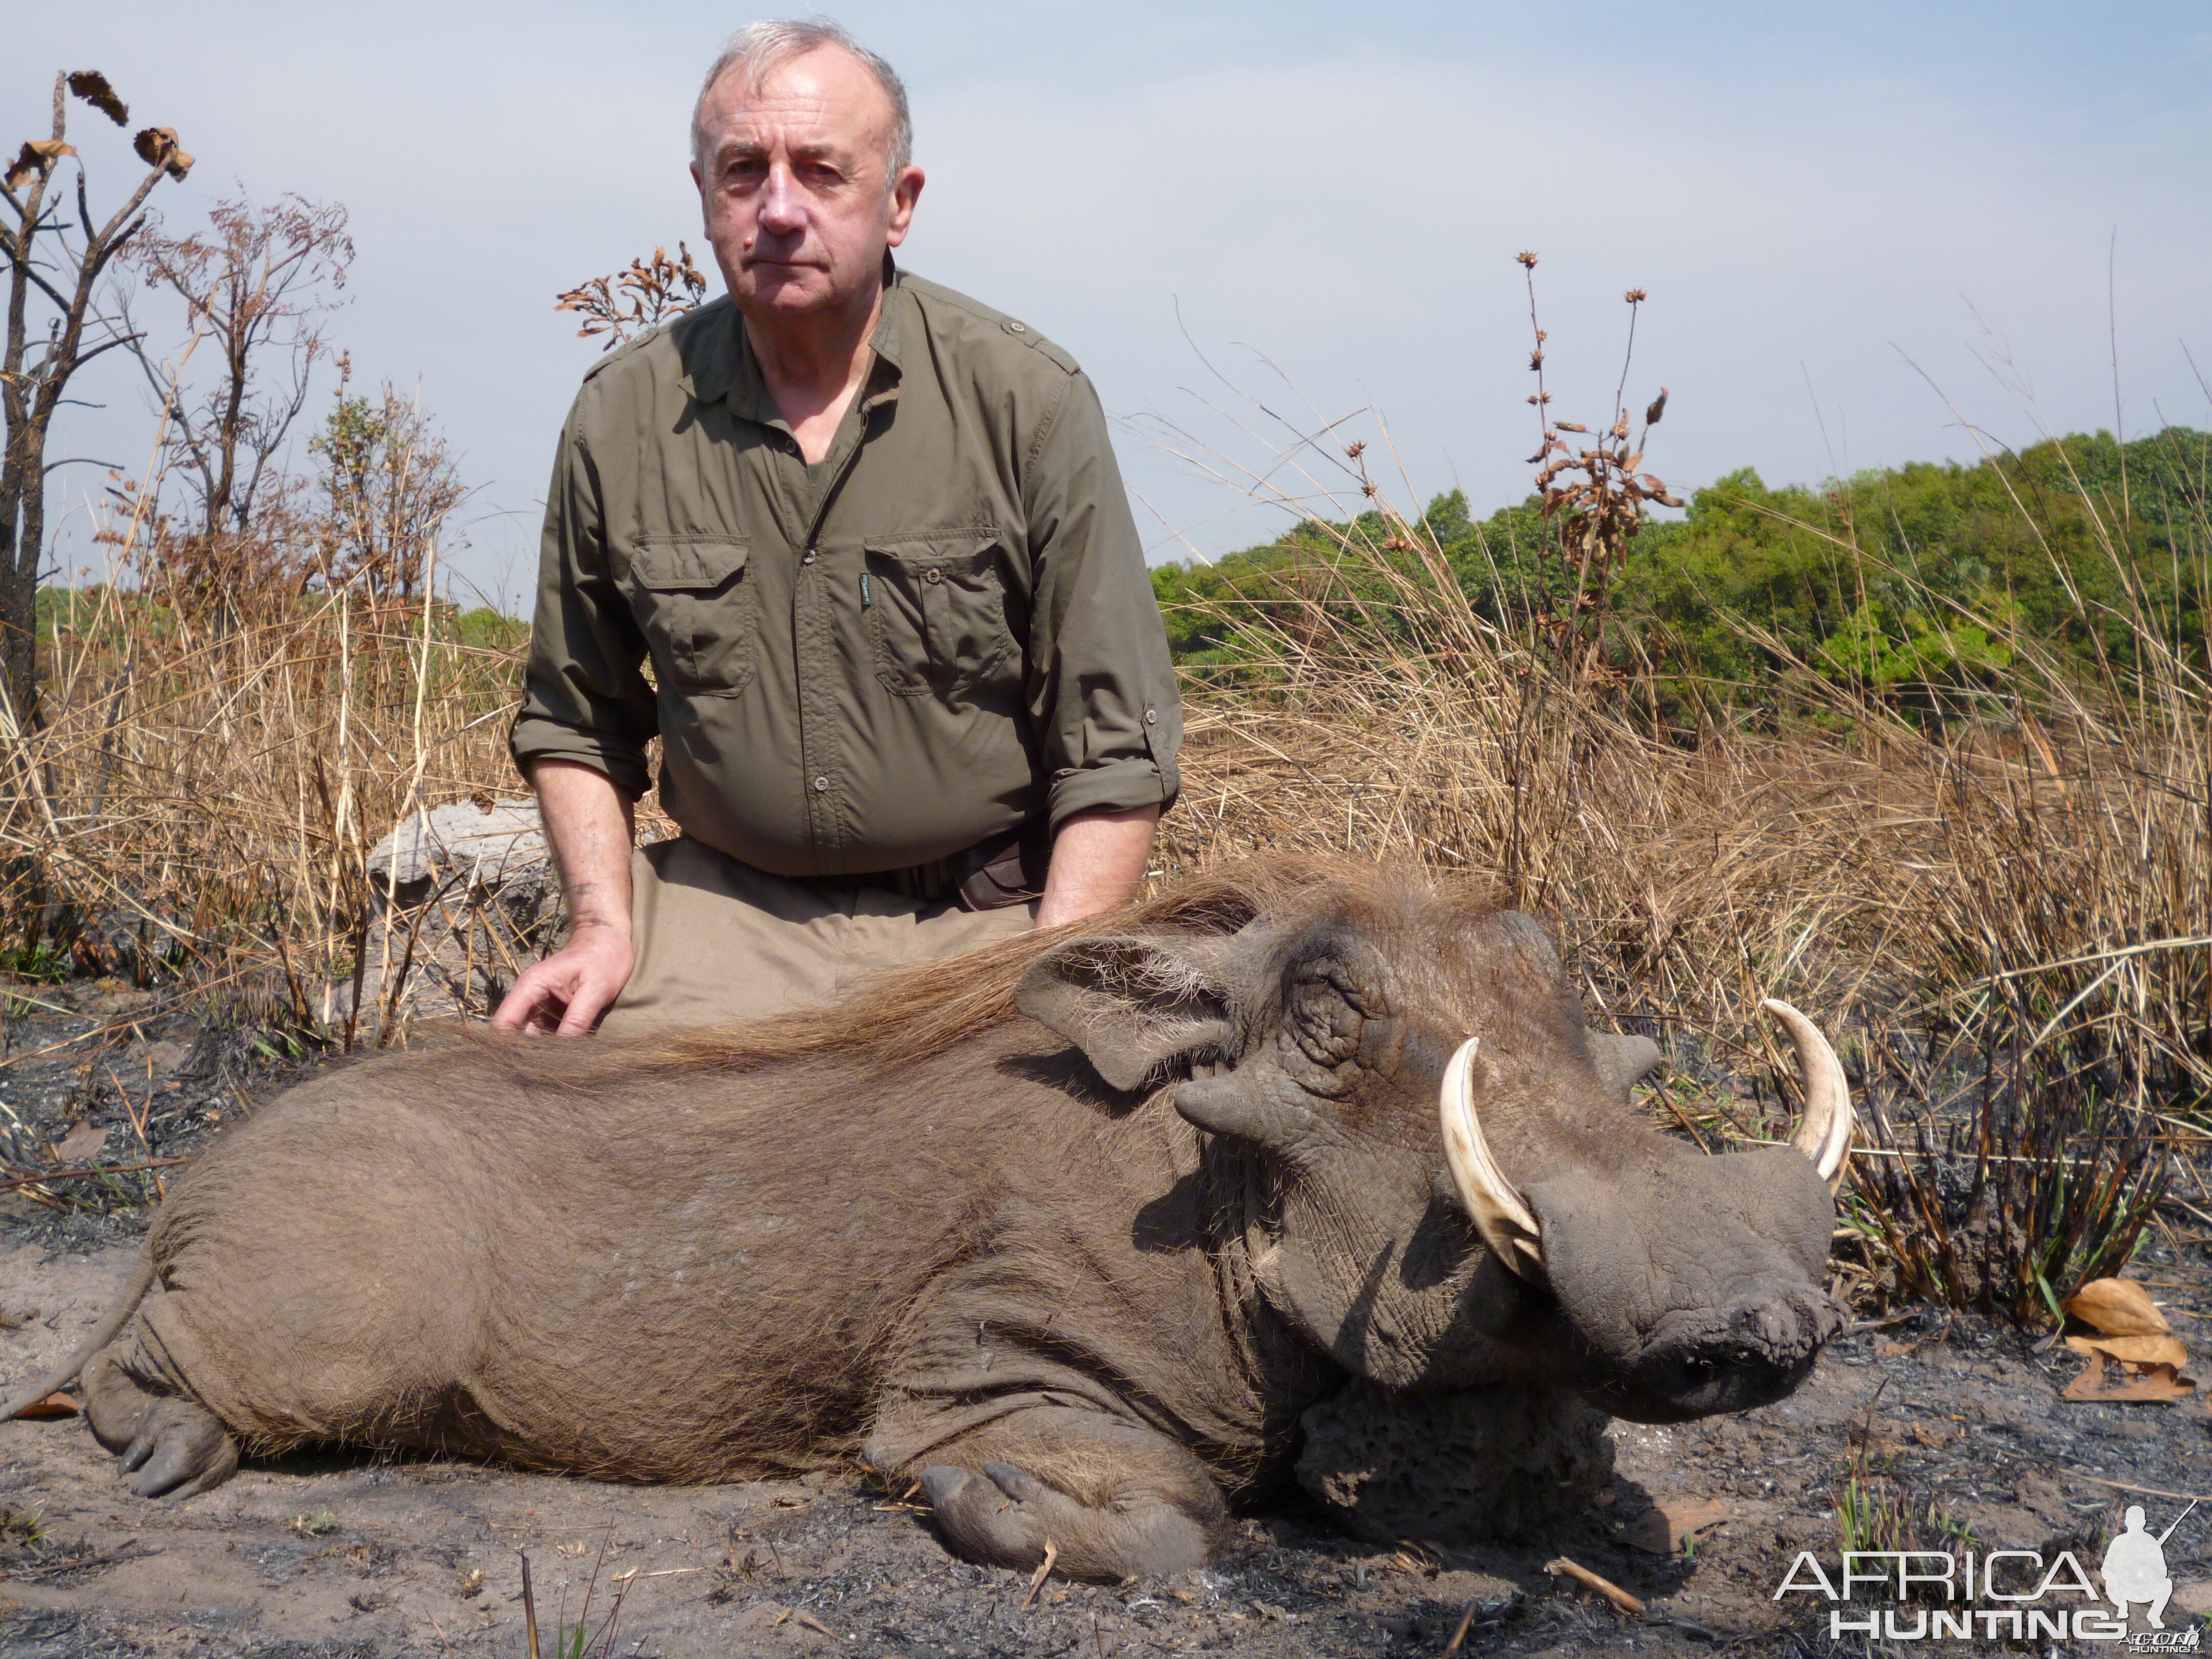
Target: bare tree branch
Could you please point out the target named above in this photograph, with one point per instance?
(258, 280)
(33, 389)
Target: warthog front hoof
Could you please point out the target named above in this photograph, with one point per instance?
(181, 1449)
(1007, 1516)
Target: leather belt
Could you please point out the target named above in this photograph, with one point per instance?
(995, 874)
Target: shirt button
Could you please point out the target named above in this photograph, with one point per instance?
(934, 574)
(821, 786)
(1151, 717)
(807, 558)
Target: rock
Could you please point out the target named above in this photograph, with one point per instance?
(1473, 1464)
(483, 848)
(466, 896)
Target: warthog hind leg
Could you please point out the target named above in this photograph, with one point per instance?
(1112, 1498)
(115, 1405)
(171, 1446)
(181, 1449)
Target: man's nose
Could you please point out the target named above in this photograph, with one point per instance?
(781, 207)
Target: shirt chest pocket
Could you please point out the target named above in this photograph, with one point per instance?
(936, 615)
(696, 605)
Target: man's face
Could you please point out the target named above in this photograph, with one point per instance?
(796, 201)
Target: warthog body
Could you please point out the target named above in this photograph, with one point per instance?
(1074, 1231)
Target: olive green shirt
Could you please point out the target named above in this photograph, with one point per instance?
(943, 629)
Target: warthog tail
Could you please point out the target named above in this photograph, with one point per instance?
(63, 1375)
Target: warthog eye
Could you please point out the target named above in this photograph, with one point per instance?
(1323, 1024)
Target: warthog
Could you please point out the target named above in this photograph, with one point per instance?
(1072, 1230)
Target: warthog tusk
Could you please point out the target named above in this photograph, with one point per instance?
(1825, 1135)
(1491, 1204)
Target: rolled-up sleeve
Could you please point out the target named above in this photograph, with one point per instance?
(585, 697)
(1102, 688)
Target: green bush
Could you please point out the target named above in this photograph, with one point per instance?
(1909, 581)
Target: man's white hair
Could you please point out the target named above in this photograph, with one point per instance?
(758, 48)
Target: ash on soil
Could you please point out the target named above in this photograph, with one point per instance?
(151, 1075)
(1958, 1425)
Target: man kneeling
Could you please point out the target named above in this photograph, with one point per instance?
(911, 684)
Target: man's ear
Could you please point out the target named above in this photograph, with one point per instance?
(1135, 1007)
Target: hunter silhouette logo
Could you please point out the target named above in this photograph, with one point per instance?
(2134, 1566)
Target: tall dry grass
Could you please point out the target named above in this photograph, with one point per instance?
(203, 794)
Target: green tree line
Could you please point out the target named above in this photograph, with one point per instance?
(1908, 580)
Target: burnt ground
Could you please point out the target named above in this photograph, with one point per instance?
(1955, 1425)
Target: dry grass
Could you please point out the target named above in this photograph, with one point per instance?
(202, 797)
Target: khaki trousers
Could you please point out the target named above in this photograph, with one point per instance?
(719, 940)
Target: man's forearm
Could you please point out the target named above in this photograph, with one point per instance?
(590, 826)
(1097, 859)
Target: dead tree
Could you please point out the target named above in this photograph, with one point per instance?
(59, 258)
(255, 284)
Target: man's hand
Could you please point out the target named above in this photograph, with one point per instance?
(590, 826)
(567, 992)
(1097, 859)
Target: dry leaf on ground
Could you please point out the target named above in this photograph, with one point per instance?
(2118, 1307)
(2134, 1349)
(81, 1141)
(54, 1405)
(1661, 1530)
(2157, 1382)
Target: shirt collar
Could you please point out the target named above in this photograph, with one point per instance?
(719, 362)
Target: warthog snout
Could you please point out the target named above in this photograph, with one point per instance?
(1692, 1283)
(1751, 1352)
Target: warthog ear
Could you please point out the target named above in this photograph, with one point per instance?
(1134, 1005)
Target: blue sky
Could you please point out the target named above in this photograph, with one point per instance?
(1864, 228)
